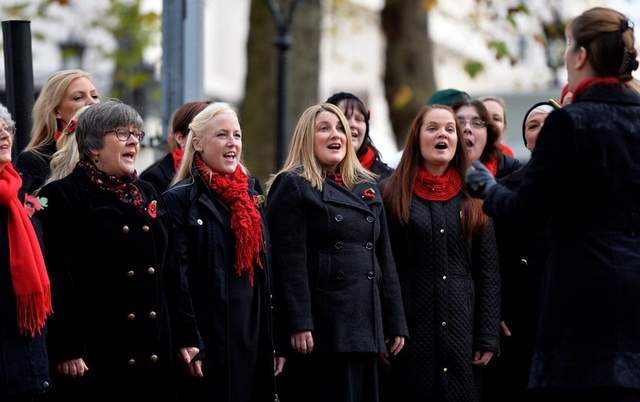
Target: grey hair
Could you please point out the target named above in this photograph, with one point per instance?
(6, 116)
(99, 118)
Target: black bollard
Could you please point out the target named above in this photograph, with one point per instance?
(18, 67)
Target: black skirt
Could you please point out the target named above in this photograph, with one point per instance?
(335, 377)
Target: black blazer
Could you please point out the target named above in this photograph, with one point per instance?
(160, 173)
(584, 177)
(234, 317)
(333, 264)
(119, 300)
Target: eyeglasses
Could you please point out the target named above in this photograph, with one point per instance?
(475, 122)
(123, 134)
(9, 130)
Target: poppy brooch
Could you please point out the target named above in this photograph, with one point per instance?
(34, 204)
(368, 194)
(259, 199)
(152, 209)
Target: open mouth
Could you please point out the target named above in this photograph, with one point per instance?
(229, 156)
(468, 143)
(335, 146)
(5, 147)
(442, 146)
(129, 156)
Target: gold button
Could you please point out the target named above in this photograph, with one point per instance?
(125, 229)
(153, 358)
(132, 362)
(151, 270)
(153, 315)
(131, 317)
(145, 228)
(131, 274)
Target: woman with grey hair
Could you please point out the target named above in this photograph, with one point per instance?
(114, 282)
(25, 300)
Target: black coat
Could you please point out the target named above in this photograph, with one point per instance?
(451, 292)
(333, 266)
(119, 300)
(381, 169)
(34, 168)
(160, 174)
(506, 165)
(24, 367)
(233, 317)
(584, 175)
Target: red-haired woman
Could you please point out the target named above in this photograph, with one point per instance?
(445, 253)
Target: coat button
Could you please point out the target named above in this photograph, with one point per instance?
(444, 370)
(153, 315)
(153, 358)
(46, 384)
(340, 275)
(131, 362)
(368, 245)
(131, 274)
(151, 270)
(441, 231)
(371, 219)
(524, 262)
(199, 222)
(339, 218)
(338, 245)
(371, 275)
(444, 323)
(444, 277)
(145, 228)
(125, 229)
(131, 316)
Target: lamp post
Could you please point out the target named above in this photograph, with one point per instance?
(554, 45)
(282, 12)
(72, 50)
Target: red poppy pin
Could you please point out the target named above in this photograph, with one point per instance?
(34, 204)
(258, 199)
(368, 194)
(152, 209)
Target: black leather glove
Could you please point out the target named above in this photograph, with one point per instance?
(479, 180)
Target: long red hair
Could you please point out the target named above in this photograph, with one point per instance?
(398, 190)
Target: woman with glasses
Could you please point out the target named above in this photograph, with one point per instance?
(62, 95)
(25, 300)
(481, 138)
(445, 252)
(115, 284)
(217, 215)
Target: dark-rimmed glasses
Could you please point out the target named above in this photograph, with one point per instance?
(123, 134)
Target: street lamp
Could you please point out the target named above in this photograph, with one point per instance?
(554, 45)
(72, 50)
(282, 12)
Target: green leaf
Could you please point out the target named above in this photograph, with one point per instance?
(500, 48)
(473, 68)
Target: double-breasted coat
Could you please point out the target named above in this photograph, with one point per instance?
(119, 300)
(451, 292)
(584, 178)
(24, 367)
(234, 318)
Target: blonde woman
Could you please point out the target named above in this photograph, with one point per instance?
(63, 94)
(332, 262)
(216, 214)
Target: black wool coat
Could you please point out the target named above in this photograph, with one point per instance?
(506, 165)
(34, 167)
(119, 300)
(381, 169)
(333, 267)
(584, 177)
(24, 367)
(233, 317)
(451, 293)
(160, 173)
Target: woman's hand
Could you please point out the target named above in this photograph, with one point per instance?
(504, 329)
(482, 358)
(278, 365)
(398, 344)
(190, 358)
(302, 342)
(74, 368)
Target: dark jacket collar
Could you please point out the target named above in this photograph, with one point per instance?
(609, 94)
(338, 194)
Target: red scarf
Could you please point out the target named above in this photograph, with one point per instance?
(122, 187)
(492, 164)
(336, 177)
(28, 272)
(367, 158)
(177, 158)
(505, 149)
(246, 223)
(591, 81)
(437, 188)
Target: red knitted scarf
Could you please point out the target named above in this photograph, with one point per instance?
(246, 223)
(336, 177)
(492, 164)
(367, 158)
(28, 272)
(437, 188)
(591, 81)
(122, 187)
(177, 158)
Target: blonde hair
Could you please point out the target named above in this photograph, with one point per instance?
(197, 130)
(303, 161)
(44, 110)
(66, 157)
